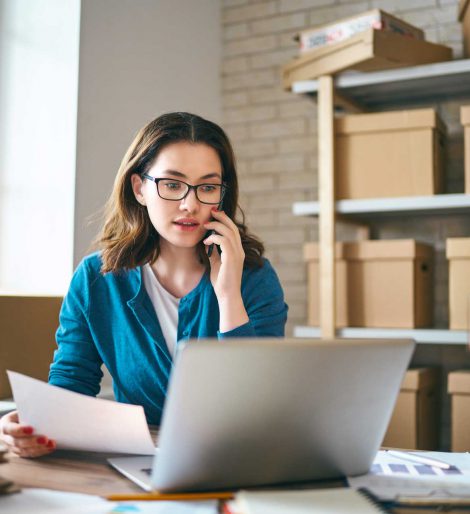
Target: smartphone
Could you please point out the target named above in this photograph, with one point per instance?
(210, 232)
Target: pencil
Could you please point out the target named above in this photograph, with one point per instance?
(171, 496)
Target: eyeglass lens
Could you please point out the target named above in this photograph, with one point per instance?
(175, 190)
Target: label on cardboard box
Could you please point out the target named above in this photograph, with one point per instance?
(336, 32)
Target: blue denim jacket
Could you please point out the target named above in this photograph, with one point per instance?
(110, 319)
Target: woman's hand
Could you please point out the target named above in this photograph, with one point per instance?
(226, 270)
(21, 439)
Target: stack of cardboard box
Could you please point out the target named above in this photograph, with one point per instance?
(374, 40)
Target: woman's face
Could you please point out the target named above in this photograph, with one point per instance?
(179, 223)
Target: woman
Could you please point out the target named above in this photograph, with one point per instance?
(156, 280)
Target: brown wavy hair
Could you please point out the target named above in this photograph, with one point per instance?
(128, 238)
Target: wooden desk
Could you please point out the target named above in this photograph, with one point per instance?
(88, 472)
(80, 472)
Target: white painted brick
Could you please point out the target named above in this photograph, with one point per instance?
(257, 183)
(272, 200)
(332, 14)
(431, 16)
(263, 219)
(236, 132)
(293, 255)
(233, 3)
(249, 12)
(278, 164)
(277, 128)
(238, 99)
(277, 237)
(242, 167)
(286, 40)
(273, 58)
(287, 219)
(298, 107)
(269, 95)
(393, 6)
(250, 149)
(291, 272)
(250, 79)
(297, 309)
(235, 65)
(306, 145)
(297, 180)
(279, 23)
(432, 34)
(247, 114)
(250, 45)
(298, 5)
(450, 33)
(236, 31)
(296, 292)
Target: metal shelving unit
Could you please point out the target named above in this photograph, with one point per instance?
(421, 84)
(402, 206)
(424, 84)
(420, 335)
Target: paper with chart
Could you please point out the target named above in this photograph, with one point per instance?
(79, 422)
(392, 479)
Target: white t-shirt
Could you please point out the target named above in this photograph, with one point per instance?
(165, 305)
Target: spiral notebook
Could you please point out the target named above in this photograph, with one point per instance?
(311, 501)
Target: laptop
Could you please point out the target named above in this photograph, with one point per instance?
(252, 412)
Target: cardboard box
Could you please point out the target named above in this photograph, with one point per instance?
(367, 51)
(389, 154)
(464, 18)
(340, 30)
(458, 385)
(28, 336)
(415, 419)
(465, 120)
(458, 254)
(381, 284)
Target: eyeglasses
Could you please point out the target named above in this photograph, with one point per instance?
(174, 190)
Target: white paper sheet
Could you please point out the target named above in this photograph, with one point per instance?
(45, 501)
(392, 485)
(79, 422)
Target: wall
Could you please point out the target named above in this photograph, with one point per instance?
(39, 41)
(275, 139)
(138, 59)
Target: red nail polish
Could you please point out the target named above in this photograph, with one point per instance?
(214, 209)
(50, 444)
(41, 440)
(28, 430)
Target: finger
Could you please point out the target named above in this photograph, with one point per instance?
(225, 219)
(215, 239)
(26, 442)
(219, 227)
(31, 442)
(33, 452)
(17, 429)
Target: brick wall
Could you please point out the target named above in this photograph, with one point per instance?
(274, 132)
(275, 139)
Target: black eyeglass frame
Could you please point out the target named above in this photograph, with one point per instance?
(223, 189)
